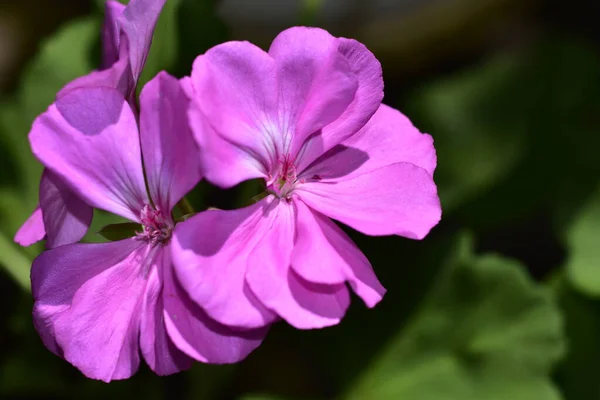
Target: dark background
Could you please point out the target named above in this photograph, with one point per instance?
(498, 302)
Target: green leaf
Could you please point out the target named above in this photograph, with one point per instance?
(122, 231)
(458, 113)
(485, 332)
(583, 267)
(578, 373)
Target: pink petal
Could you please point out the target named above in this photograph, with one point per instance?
(118, 76)
(89, 138)
(210, 253)
(388, 138)
(199, 336)
(137, 22)
(87, 305)
(32, 231)
(324, 254)
(111, 33)
(302, 304)
(234, 86)
(366, 102)
(315, 81)
(66, 217)
(158, 350)
(400, 199)
(168, 147)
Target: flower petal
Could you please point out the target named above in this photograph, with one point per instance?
(234, 86)
(388, 138)
(168, 147)
(158, 350)
(315, 82)
(66, 217)
(111, 33)
(366, 102)
(32, 231)
(87, 305)
(199, 336)
(138, 21)
(304, 305)
(324, 254)
(89, 138)
(400, 199)
(210, 253)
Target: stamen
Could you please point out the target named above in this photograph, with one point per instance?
(157, 227)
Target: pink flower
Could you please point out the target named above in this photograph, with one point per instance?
(99, 305)
(307, 118)
(62, 217)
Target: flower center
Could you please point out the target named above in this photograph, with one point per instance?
(157, 226)
(283, 181)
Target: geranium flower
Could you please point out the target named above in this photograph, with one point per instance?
(99, 305)
(62, 217)
(307, 118)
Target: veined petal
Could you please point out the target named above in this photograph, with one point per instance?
(198, 335)
(32, 231)
(210, 253)
(399, 199)
(89, 138)
(66, 217)
(366, 102)
(303, 304)
(324, 254)
(158, 349)
(111, 33)
(168, 147)
(315, 82)
(234, 86)
(138, 21)
(388, 138)
(87, 305)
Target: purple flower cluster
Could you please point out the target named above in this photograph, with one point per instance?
(306, 117)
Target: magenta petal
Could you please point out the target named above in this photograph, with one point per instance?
(158, 350)
(111, 33)
(66, 217)
(388, 138)
(87, 304)
(89, 138)
(138, 21)
(302, 304)
(366, 102)
(324, 254)
(210, 253)
(199, 336)
(32, 230)
(400, 199)
(168, 147)
(234, 86)
(315, 81)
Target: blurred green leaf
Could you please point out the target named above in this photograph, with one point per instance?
(583, 267)
(486, 332)
(120, 231)
(474, 150)
(14, 261)
(577, 375)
